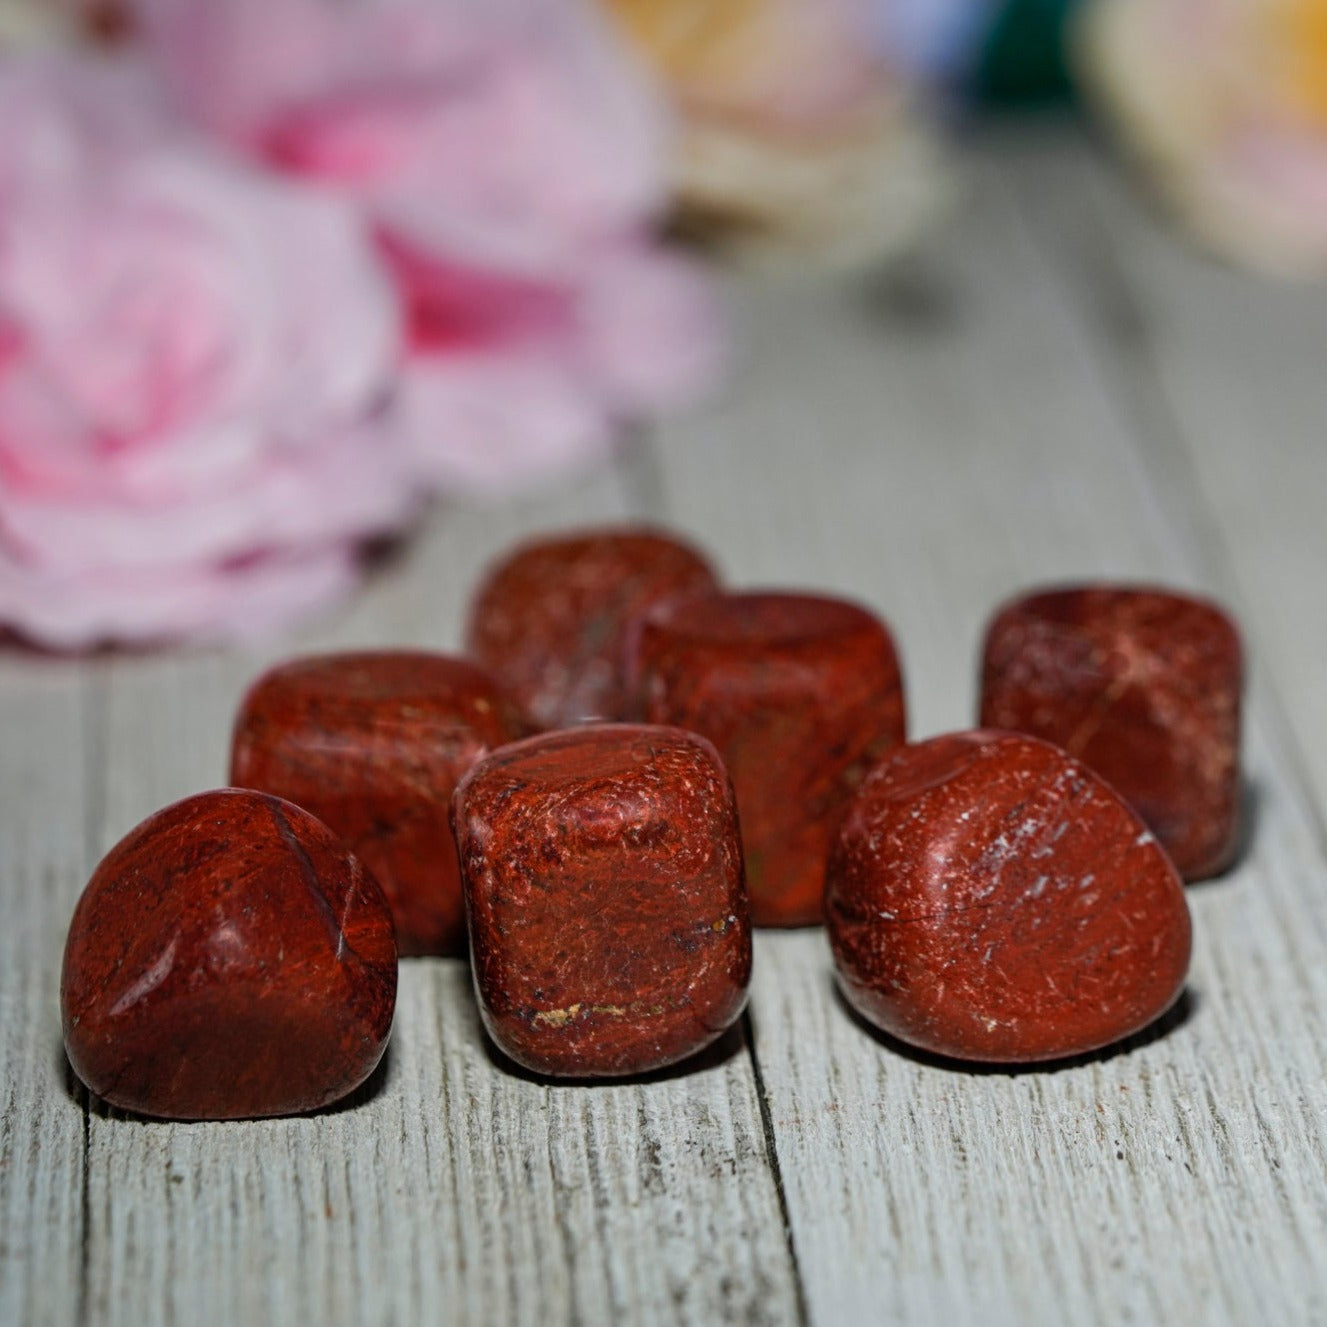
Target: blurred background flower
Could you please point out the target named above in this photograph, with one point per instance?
(283, 270)
(193, 360)
(1224, 105)
(939, 39)
(799, 137)
(292, 267)
(509, 157)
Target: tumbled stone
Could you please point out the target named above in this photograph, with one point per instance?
(990, 898)
(801, 695)
(373, 744)
(1144, 685)
(228, 959)
(603, 877)
(552, 619)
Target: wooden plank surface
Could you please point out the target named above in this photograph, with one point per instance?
(48, 801)
(996, 413)
(454, 1185)
(1149, 1186)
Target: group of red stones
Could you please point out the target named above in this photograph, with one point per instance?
(1011, 894)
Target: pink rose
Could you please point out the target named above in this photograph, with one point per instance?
(193, 360)
(498, 131)
(508, 377)
(512, 161)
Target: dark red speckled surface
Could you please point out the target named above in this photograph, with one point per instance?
(374, 744)
(990, 898)
(1143, 685)
(228, 959)
(608, 919)
(551, 620)
(801, 695)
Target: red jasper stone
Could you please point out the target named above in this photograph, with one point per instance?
(228, 959)
(603, 881)
(1144, 686)
(801, 695)
(551, 620)
(374, 745)
(990, 898)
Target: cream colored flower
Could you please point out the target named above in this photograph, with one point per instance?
(796, 139)
(1224, 102)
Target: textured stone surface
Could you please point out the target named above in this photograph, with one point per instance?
(1144, 685)
(552, 619)
(801, 695)
(991, 898)
(228, 959)
(373, 745)
(608, 920)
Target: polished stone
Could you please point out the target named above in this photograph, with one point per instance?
(1144, 685)
(228, 959)
(990, 898)
(801, 695)
(552, 619)
(608, 920)
(373, 744)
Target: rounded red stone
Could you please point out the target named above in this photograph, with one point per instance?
(552, 619)
(990, 898)
(1142, 684)
(603, 879)
(374, 745)
(228, 959)
(801, 695)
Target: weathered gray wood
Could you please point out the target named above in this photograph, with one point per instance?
(458, 1191)
(48, 722)
(931, 449)
(1031, 399)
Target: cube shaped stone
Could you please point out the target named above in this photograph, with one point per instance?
(801, 695)
(552, 619)
(374, 744)
(1144, 686)
(603, 882)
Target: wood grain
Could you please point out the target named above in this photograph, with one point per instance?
(48, 722)
(1050, 390)
(454, 1188)
(959, 454)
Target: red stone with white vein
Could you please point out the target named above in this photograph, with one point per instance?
(990, 898)
(1144, 686)
(228, 959)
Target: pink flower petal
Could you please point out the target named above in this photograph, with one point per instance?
(651, 327)
(486, 424)
(203, 603)
(498, 131)
(194, 368)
